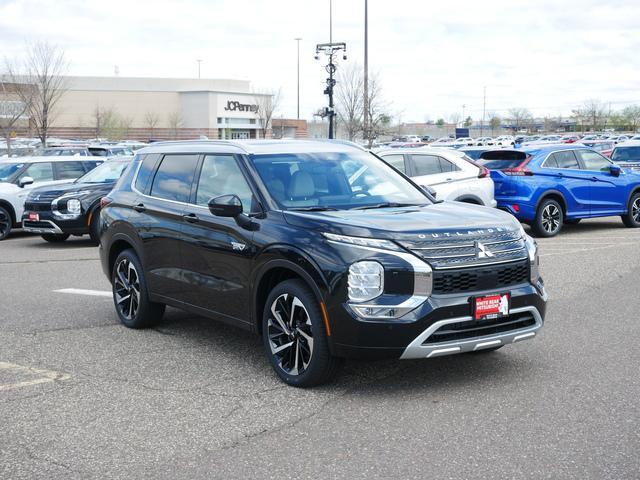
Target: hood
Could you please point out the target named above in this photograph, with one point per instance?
(54, 191)
(445, 218)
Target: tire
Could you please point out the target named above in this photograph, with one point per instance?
(549, 219)
(94, 227)
(297, 322)
(5, 223)
(130, 295)
(55, 237)
(632, 218)
(573, 221)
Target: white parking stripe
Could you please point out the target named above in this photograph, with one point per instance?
(44, 376)
(81, 291)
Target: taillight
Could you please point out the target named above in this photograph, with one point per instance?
(520, 170)
(484, 172)
(104, 201)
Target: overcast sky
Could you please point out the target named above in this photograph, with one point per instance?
(432, 56)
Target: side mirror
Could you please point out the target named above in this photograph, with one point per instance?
(615, 170)
(226, 206)
(24, 181)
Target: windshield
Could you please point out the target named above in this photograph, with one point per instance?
(626, 154)
(8, 169)
(340, 181)
(106, 173)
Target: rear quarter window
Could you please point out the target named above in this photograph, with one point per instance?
(147, 167)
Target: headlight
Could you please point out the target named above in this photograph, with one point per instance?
(534, 259)
(73, 206)
(366, 281)
(362, 242)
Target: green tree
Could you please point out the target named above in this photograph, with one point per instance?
(440, 123)
(467, 122)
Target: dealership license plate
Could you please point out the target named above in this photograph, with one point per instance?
(491, 306)
(34, 217)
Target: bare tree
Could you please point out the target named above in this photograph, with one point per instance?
(594, 112)
(520, 117)
(103, 120)
(267, 102)
(494, 123)
(349, 100)
(454, 118)
(125, 126)
(631, 115)
(151, 120)
(175, 122)
(43, 74)
(378, 111)
(13, 108)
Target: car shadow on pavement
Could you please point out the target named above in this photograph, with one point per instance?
(368, 377)
(77, 242)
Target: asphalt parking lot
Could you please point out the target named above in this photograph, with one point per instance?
(83, 397)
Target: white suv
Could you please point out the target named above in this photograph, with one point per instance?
(19, 175)
(450, 173)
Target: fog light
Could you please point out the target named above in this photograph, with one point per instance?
(73, 206)
(366, 281)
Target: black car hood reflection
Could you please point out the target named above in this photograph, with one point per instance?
(445, 218)
(66, 188)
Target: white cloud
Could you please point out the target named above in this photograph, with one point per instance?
(432, 57)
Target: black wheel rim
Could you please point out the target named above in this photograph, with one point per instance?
(551, 216)
(635, 210)
(290, 334)
(127, 289)
(5, 223)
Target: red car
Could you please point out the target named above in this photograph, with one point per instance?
(604, 147)
(570, 139)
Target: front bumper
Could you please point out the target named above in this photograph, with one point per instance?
(48, 224)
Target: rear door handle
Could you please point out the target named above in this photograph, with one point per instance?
(139, 208)
(191, 218)
(594, 179)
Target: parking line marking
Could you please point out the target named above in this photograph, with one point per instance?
(81, 291)
(47, 376)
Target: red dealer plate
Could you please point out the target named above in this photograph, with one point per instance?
(491, 306)
(34, 217)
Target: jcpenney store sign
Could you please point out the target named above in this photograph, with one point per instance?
(235, 106)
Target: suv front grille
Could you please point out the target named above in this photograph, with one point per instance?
(37, 207)
(489, 277)
(474, 328)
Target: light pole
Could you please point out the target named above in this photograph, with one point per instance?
(365, 101)
(199, 62)
(463, 119)
(484, 108)
(297, 39)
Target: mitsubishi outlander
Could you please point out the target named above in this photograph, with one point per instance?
(282, 239)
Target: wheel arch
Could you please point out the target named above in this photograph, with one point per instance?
(7, 205)
(119, 243)
(275, 271)
(468, 198)
(556, 195)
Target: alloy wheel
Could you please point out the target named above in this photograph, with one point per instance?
(635, 210)
(290, 334)
(551, 218)
(127, 289)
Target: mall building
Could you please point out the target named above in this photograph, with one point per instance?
(147, 108)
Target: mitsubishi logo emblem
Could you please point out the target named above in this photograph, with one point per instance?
(482, 251)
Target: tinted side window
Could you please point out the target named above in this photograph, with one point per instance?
(426, 164)
(174, 177)
(447, 166)
(396, 161)
(593, 161)
(220, 175)
(69, 170)
(40, 172)
(551, 162)
(566, 159)
(145, 172)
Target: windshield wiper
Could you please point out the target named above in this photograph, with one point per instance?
(390, 205)
(317, 208)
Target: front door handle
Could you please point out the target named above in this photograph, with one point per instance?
(594, 179)
(191, 218)
(139, 208)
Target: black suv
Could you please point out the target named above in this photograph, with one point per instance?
(58, 211)
(322, 248)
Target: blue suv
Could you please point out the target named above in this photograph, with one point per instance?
(549, 185)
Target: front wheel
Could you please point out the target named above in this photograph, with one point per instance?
(549, 219)
(55, 237)
(5, 223)
(130, 294)
(632, 218)
(294, 336)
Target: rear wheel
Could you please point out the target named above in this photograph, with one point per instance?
(549, 219)
(632, 218)
(55, 237)
(5, 223)
(130, 295)
(294, 336)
